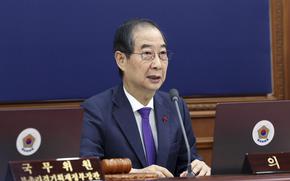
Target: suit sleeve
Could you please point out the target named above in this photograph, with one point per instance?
(182, 157)
(92, 132)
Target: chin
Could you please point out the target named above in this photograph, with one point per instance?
(150, 86)
(154, 87)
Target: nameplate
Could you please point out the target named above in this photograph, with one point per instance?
(268, 163)
(78, 169)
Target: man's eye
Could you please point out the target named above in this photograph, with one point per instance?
(147, 53)
(163, 53)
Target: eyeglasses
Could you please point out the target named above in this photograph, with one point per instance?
(150, 55)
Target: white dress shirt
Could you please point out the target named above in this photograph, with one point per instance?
(136, 105)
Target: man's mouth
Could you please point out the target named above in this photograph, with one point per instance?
(154, 77)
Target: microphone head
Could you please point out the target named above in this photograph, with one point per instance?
(173, 93)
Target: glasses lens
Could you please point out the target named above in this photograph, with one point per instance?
(163, 55)
(148, 55)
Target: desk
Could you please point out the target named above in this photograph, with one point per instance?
(266, 177)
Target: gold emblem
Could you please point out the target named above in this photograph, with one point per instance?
(263, 132)
(28, 141)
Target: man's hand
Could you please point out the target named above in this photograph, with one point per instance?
(160, 171)
(199, 168)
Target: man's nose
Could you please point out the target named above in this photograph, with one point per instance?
(156, 62)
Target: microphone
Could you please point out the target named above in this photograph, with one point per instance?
(174, 97)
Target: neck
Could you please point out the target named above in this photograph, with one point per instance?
(142, 96)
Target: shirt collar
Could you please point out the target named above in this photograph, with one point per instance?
(135, 104)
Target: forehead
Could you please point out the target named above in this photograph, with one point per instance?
(147, 36)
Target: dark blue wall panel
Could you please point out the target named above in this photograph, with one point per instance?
(62, 49)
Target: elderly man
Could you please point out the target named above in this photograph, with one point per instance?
(134, 120)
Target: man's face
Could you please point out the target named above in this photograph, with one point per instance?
(145, 76)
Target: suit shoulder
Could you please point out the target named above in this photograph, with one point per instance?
(163, 95)
(100, 99)
(166, 97)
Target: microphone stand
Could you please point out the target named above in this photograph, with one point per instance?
(189, 170)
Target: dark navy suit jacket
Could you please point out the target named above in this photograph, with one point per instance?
(110, 130)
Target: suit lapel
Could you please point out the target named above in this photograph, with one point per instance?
(162, 118)
(125, 118)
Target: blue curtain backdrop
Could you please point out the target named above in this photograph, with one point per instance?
(62, 49)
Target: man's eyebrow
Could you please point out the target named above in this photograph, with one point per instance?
(163, 46)
(146, 46)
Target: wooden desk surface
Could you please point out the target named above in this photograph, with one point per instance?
(266, 177)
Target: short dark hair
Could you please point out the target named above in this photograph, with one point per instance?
(123, 39)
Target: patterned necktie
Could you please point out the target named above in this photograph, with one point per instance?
(147, 136)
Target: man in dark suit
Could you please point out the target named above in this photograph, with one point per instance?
(134, 120)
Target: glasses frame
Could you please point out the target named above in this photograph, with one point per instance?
(142, 54)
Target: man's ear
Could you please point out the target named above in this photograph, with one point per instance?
(120, 59)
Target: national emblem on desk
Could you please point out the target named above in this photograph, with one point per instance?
(263, 132)
(28, 141)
